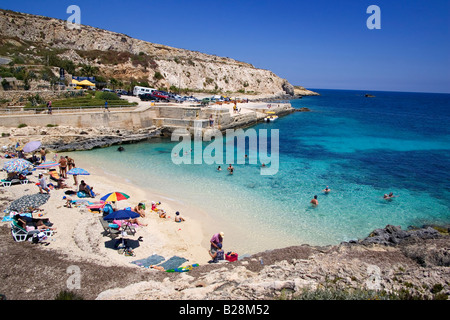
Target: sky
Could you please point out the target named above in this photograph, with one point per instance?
(316, 44)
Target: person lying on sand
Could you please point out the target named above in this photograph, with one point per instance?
(39, 224)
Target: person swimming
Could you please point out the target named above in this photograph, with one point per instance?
(326, 190)
(314, 201)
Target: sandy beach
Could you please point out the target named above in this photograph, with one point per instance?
(80, 234)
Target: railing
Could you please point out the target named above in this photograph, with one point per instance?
(59, 110)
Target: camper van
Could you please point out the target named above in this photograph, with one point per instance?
(141, 90)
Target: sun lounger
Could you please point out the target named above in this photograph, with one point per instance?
(19, 234)
(126, 226)
(9, 183)
(108, 231)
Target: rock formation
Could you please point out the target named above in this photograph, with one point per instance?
(121, 57)
(417, 266)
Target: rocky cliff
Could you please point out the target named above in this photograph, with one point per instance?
(34, 38)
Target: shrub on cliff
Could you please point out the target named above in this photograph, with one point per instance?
(106, 96)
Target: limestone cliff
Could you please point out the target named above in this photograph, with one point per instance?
(124, 58)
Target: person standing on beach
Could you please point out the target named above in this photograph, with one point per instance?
(211, 121)
(63, 167)
(106, 107)
(43, 153)
(70, 163)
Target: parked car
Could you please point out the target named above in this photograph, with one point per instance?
(160, 95)
(147, 97)
(107, 90)
(191, 99)
(121, 92)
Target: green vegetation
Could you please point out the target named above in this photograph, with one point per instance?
(158, 76)
(22, 125)
(68, 295)
(87, 101)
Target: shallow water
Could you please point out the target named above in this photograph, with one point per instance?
(360, 147)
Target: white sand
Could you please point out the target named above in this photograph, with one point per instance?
(79, 232)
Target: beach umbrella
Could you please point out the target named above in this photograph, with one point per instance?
(78, 172)
(115, 196)
(31, 146)
(122, 215)
(47, 164)
(17, 165)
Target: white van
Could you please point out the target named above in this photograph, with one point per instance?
(141, 90)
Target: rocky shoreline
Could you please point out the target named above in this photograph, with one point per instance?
(66, 139)
(414, 266)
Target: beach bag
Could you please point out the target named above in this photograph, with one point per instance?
(107, 209)
(231, 256)
(81, 194)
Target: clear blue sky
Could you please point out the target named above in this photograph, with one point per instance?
(317, 44)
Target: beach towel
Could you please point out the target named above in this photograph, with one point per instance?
(12, 214)
(173, 263)
(147, 262)
(121, 222)
(183, 269)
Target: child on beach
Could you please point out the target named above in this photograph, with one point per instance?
(178, 218)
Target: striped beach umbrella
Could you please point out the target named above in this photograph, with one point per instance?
(115, 196)
(47, 164)
(78, 172)
(17, 165)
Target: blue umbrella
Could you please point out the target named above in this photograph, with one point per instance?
(122, 215)
(78, 172)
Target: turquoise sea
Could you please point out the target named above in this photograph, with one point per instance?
(360, 147)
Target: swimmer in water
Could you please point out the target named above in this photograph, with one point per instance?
(326, 190)
(314, 201)
(219, 168)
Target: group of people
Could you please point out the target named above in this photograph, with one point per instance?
(315, 202)
(66, 164)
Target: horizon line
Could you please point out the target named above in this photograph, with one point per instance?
(370, 90)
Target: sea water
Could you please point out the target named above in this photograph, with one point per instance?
(362, 148)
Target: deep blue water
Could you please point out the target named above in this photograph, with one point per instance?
(360, 147)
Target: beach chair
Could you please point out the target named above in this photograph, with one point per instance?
(20, 234)
(129, 228)
(9, 183)
(108, 231)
